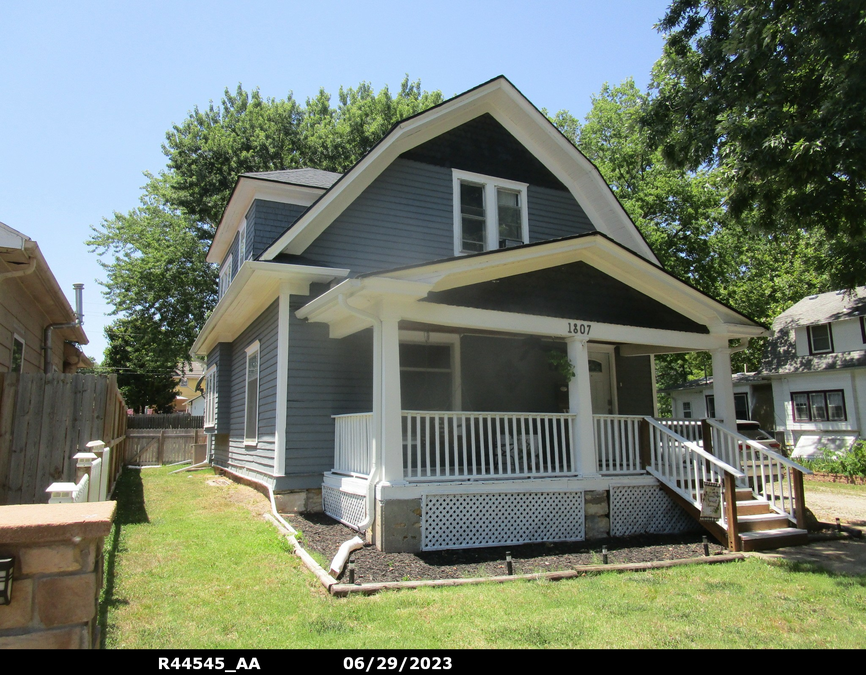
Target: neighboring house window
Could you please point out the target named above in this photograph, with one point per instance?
(225, 277)
(17, 363)
(489, 213)
(251, 417)
(820, 339)
(210, 397)
(863, 328)
(242, 243)
(687, 410)
(819, 406)
(741, 406)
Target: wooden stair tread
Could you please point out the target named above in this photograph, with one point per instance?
(779, 538)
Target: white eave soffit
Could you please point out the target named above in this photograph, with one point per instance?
(511, 109)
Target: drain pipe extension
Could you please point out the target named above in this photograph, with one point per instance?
(339, 561)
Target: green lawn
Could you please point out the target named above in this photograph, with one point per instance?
(196, 566)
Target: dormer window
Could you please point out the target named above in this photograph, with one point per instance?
(242, 243)
(489, 213)
(820, 339)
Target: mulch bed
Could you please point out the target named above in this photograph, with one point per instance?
(324, 535)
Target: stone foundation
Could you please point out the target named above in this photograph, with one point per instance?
(299, 501)
(398, 526)
(597, 511)
(58, 573)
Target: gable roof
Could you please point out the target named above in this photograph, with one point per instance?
(823, 308)
(707, 382)
(501, 99)
(306, 176)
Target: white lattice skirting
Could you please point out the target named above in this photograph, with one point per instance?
(640, 509)
(474, 520)
(346, 507)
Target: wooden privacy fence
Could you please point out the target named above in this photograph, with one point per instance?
(153, 447)
(45, 420)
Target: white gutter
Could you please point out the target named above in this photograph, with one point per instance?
(31, 265)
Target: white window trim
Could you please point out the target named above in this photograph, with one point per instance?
(810, 330)
(17, 338)
(210, 398)
(491, 213)
(252, 349)
(225, 273)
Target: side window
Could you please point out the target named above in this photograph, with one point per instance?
(711, 407)
(820, 339)
(687, 410)
(489, 213)
(17, 363)
(741, 406)
(242, 243)
(819, 406)
(210, 397)
(225, 277)
(251, 415)
(863, 328)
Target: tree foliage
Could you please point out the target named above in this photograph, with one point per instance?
(772, 94)
(158, 279)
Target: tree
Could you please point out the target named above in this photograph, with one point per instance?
(772, 93)
(211, 148)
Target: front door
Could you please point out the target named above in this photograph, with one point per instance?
(599, 383)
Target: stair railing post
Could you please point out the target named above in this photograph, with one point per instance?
(707, 434)
(799, 499)
(734, 543)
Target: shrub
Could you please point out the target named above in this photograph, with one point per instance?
(850, 464)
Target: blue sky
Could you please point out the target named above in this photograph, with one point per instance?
(90, 88)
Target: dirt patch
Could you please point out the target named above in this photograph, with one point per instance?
(324, 535)
(828, 504)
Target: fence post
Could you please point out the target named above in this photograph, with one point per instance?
(160, 448)
(98, 448)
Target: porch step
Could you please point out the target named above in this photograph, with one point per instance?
(753, 507)
(744, 494)
(761, 522)
(778, 538)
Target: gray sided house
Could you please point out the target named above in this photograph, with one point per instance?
(452, 344)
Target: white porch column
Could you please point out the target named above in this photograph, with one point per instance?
(723, 388)
(580, 403)
(392, 426)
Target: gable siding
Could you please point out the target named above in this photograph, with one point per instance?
(326, 377)
(266, 222)
(406, 217)
(261, 457)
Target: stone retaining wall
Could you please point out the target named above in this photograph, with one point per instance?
(58, 573)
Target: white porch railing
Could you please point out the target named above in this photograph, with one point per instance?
(617, 443)
(771, 477)
(468, 445)
(353, 438)
(690, 429)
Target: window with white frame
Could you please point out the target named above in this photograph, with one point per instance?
(863, 328)
(741, 407)
(225, 277)
(242, 243)
(17, 363)
(819, 406)
(210, 398)
(489, 213)
(251, 416)
(687, 410)
(820, 339)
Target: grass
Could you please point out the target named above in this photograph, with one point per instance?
(840, 488)
(192, 565)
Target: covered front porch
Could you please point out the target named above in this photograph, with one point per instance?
(471, 441)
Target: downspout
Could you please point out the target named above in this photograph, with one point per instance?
(46, 334)
(375, 464)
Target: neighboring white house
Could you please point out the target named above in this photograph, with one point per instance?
(816, 361)
(753, 399)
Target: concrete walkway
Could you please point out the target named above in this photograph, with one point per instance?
(845, 556)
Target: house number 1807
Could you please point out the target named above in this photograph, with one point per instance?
(579, 328)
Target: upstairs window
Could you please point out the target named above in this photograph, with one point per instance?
(820, 339)
(489, 213)
(225, 277)
(242, 243)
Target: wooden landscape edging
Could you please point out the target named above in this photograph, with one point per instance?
(335, 588)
